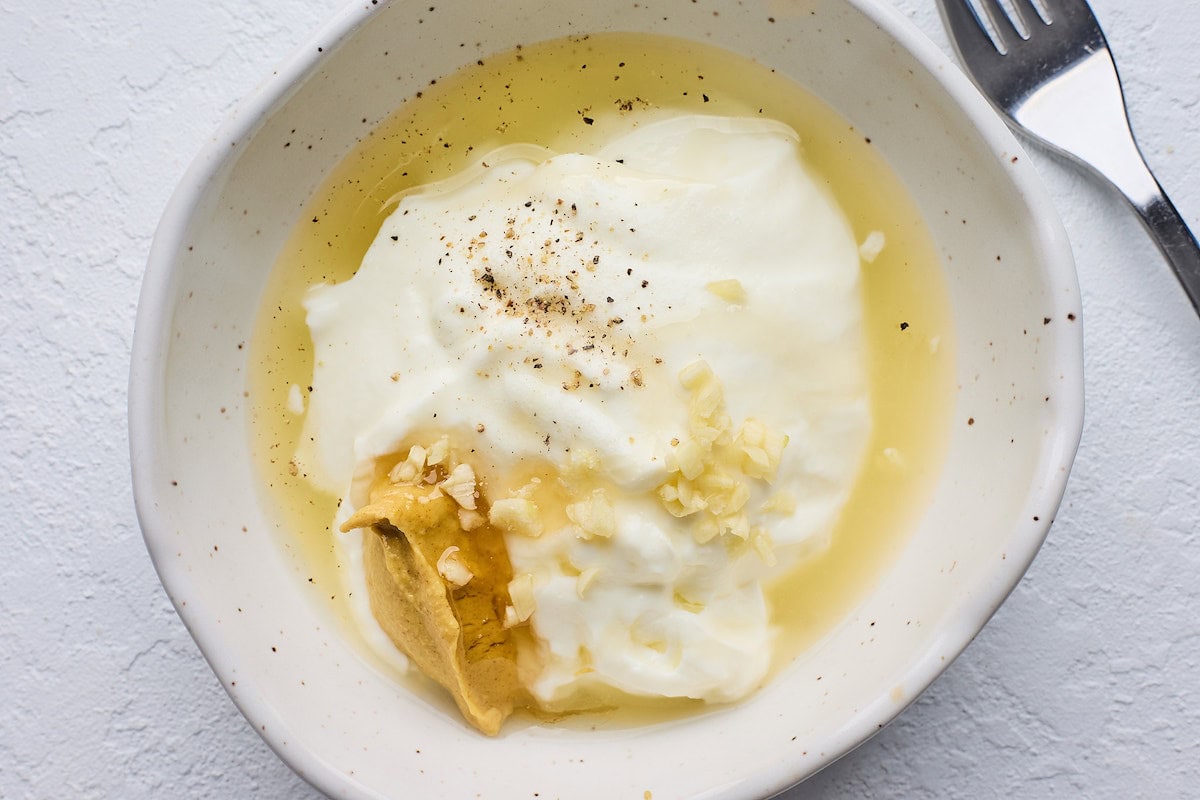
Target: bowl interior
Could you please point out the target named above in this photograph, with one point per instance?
(345, 725)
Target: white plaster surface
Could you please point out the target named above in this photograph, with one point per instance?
(1085, 684)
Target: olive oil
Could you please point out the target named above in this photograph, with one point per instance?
(574, 95)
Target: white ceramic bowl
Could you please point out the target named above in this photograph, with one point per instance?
(349, 729)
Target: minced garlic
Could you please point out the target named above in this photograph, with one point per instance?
(516, 515)
(451, 567)
(711, 470)
(593, 515)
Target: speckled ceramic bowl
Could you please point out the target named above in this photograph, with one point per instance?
(347, 727)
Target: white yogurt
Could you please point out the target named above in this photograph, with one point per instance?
(542, 307)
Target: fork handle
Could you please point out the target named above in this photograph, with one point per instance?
(1119, 160)
(1174, 238)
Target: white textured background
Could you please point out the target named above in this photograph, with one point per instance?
(1086, 683)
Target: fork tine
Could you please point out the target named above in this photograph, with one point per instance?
(1029, 13)
(1070, 12)
(966, 28)
(1006, 29)
(1055, 8)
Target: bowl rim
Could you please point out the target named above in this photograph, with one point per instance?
(147, 380)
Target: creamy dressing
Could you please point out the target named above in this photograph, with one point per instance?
(540, 306)
(543, 94)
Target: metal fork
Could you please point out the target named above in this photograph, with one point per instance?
(1054, 78)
